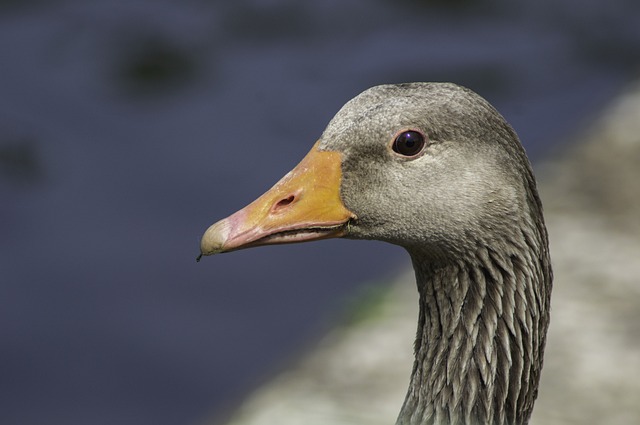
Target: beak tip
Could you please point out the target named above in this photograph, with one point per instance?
(214, 239)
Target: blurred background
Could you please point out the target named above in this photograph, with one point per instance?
(127, 128)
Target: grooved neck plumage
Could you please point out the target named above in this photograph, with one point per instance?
(480, 339)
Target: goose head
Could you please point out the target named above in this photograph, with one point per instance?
(427, 166)
(434, 168)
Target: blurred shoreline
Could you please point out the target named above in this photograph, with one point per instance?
(358, 373)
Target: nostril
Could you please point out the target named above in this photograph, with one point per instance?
(284, 202)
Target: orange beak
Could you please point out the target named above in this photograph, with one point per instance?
(304, 205)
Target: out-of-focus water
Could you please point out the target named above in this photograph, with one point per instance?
(126, 128)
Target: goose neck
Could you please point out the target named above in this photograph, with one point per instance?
(479, 344)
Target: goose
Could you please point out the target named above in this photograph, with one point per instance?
(434, 168)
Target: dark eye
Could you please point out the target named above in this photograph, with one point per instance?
(408, 143)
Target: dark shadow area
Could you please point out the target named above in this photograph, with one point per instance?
(19, 162)
(154, 65)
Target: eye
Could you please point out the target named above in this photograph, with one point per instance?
(409, 143)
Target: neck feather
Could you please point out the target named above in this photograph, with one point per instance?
(481, 335)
